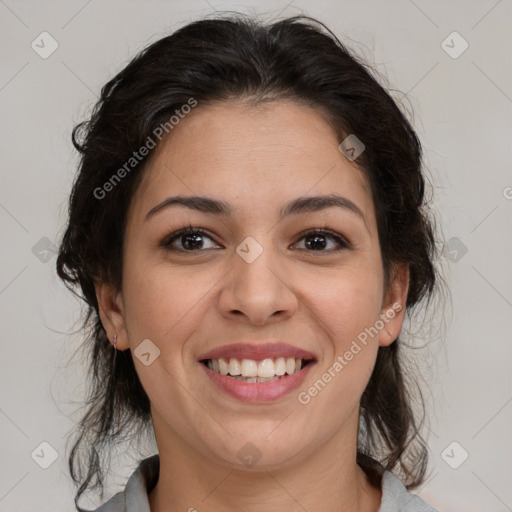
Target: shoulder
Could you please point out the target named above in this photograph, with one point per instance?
(115, 504)
(134, 497)
(395, 497)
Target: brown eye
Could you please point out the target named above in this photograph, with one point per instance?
(316, 241)
(189, 240)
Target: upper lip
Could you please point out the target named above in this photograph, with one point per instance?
(257, 352)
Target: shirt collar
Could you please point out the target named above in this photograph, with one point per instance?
(141, 483)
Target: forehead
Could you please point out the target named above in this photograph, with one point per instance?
(252, 157)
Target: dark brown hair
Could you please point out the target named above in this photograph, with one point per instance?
(233, 57)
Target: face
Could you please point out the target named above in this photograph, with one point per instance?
(256, 275)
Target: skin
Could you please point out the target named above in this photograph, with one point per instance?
(257, 159)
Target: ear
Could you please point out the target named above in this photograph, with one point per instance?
(393, 305)
(111, 310)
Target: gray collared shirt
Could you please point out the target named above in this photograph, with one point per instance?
(134, 498)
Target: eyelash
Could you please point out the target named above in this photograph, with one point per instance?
(167, 241)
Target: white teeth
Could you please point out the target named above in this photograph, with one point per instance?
(266, 368)
(256, 379)
(234, 367)
(280, 366)
(250, 370)
(290, 365)
(223, 366)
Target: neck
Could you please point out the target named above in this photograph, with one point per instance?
(325, 481)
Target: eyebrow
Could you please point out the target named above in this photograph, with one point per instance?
(300, 205)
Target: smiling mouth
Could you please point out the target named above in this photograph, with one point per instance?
(253, 371)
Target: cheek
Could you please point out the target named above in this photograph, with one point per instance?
(348, 306)
(346, 302)
(163, 304)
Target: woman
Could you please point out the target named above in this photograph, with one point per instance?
(247, 229)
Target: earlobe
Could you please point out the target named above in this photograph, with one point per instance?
(111, 311)
(394, 305)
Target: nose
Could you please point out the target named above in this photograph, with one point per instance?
(257, 292)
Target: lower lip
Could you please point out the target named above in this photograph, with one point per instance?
(257, 392)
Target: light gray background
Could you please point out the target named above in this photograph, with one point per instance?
(463, 114)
